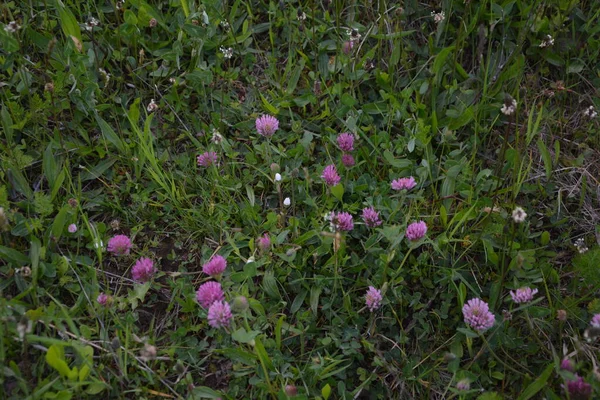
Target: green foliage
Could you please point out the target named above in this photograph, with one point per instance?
(107, 105)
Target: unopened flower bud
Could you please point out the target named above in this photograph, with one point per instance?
(291, 390)
(152, 23)
(275, 167)
(561, 315)
(240, 304)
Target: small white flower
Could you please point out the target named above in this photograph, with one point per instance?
(105, 75)
(509, 107)
(287, 202)
(152, 106)
(91, 23)
(590, 112)
(519, 215)
(227, 52)
(301, 15)
(224, 25)
(277, 177)
(580, 245)
(12, 27)
(216, 137)
(547, 42)
(250, 260)
(438, 17)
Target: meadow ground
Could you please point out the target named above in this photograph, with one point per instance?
(299, 199)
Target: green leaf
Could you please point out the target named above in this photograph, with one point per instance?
(19, 183)
(238, 355)
(109, 134)
(14, 256)
(55, 357)
(440, 60)
(326, 391)
(243, 336)
(204, 392)
(293, 81)
(262, 355)
(546, 157)
(315, 292)
(68, 22)
(270, 284)
(338, 191)
(389, 157)
(97, 171)
(59, 223)
(298, 301)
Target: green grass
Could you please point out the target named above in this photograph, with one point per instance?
(79, 145)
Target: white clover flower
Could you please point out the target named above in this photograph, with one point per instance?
(580, 245)
(91, 23)
(438, 17)
(277, 177)
(216, 137)
(547, 42)
(287, 202)
(12, 27)
(590, 112)
(227, 52)
(301, 15)
(519, 215)
(509, 107)
(224, 25)
(152, 106)
(105, 75)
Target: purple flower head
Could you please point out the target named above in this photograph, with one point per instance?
(477, 314)
(215, 266)
(463, 384)
(347, 46)
(567, 365)
(373, 298)
(143, 270)
(219, 314)
(346, 141)
(343, 221)
(208, 293)
(102, 299)
(348, 160)
(579, 389)
(595, 322)
(264, 243)
(119, 245)
(72, 228)
(207, 159)
(266, 125)
(404, 183)
(416, 230)
(371, 217)
(523, 295)
(331, 176)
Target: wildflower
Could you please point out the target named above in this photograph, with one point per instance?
(567, 365)
(119, 245)
(240, 304)
(105, 75)
(301, 15)
(561, 315)
(216, 137)
(152, 106)
(438, 17)
(509, 107)
(266, 125)
(580, 245)
(547, 42)
(330, 175)
(291, 390)
(208, 293)
(523, 295)
(91, 24)
(371, 217)
(49, 87)
(343, 221)
(463, 384)
(404, 183)
(215, 266)
(227, 52)
(579, 389)
(373, 298)
(207, 159)
(590, 112)
(477, 314)
(346, 141)
(595, 322)
(264, 243)
(518, 215)
(348, 160)
(277, 177)
(24, 327)
(12, 27)
(102, 299)
(347, 47)
(416, 230)
(287, 202)
(72, 228)
(148, 352)
(225, 25)
(152, 23)
(219, 314)
(250, 260)
(115, 224)
(143, 270)
(72, 202)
